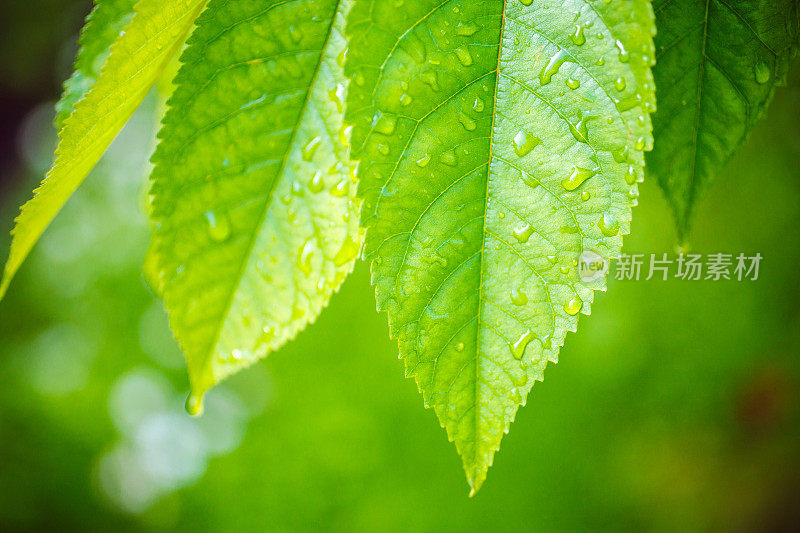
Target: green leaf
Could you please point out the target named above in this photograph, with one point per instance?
(103, 26)
(718, 65)
(137, 57)
(498, 142)
(255, 217)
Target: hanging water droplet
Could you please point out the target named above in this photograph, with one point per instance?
(762, 72)
(639, 144)
(577, 177)
(573, 306)
(463, 56)
(523, 233)
(194, 404)
(524, 142)
(219, 227)
(552, 66)
(608, 224)
(518, 297)
(518, 347)
(448, 158)
(630, 175)
(577, 37)
(310, 148)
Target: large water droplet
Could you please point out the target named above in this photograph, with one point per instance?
(552, 66)
(194, 404)
(619, 83)
(524, 142)
(316, 184)
(624, 55)
(448, 158)
(573, 306)
(406, 99)
(385, 125)
(518, 347)
(608, 224)
(478, 105)
(466, 28)
(577, 36)
(572, 83)
(467, 122)
(577, 177)
(463, 56)
(423, 161)
(523, 233)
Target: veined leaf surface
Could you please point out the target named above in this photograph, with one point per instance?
(719, 63)
(253, 197)
(498, 141)
(137, 57)
(103, 26)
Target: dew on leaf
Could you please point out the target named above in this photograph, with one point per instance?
(524, 142)
(423, 161)
(523, 233)
(448, 158)
(573, 306)
(316, 184)
(577, 177)
(577, 37)
(518, 347)
(463, 56)
(518, 297)
(608, 224)
(762, 72)
(219, 227)
(553, 65)
(310, 148)
(305, 255)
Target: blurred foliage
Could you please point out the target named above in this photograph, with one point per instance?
(677, 405)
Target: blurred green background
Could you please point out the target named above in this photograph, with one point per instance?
(675, 407)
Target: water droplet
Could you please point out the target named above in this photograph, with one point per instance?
(478, 105)
(467, 122)
(316, 184)
(194, 404)
(406, 99)
(608, 224)
(518, 297)
(621, 156)
(337, 96)
(448, 158)
(295, 34)
(571, 228)
(466, 29)
(518, 347)
(304, 257)
(624, 55)
(460, 347)
(385, 125)
(424, 160)
(619, 83)
(600, 61)
(630, 175)
(431, 79)
(762, 72)
(552, 66)
(523, 233)
(347, 252)
(310, 148)
(526, 2)
(573, 306)
(340, 59)
(580, 130)
(577, 37)
(585, 195)
(341, 189)
(524, 142)
(577, 177)
(219, 227)
(383, 148)
(463, 56)
(572, 83)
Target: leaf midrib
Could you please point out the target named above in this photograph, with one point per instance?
(270, 194)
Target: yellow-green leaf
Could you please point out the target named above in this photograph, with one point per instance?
(156, 31)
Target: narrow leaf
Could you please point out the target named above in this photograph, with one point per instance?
(253, 197)
(499, 141)
(103, 26)
(719, 63)
(137, 58)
